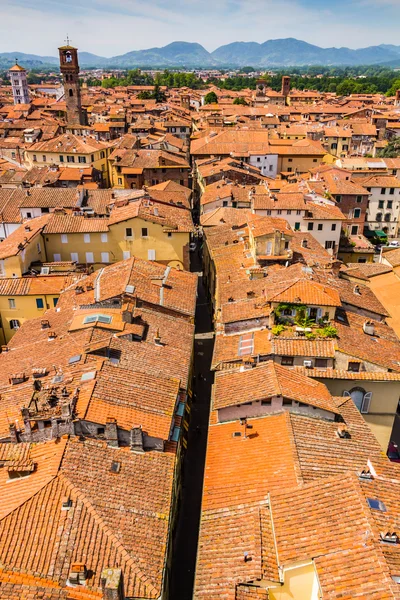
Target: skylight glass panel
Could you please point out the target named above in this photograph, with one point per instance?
(376, 504)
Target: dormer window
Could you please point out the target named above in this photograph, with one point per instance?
(353, 366)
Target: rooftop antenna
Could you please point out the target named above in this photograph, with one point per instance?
(67, 41)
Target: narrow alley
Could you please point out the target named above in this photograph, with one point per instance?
(186, 538)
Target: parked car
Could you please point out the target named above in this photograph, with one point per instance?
(394, 244)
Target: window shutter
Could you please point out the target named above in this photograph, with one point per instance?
(366, 403)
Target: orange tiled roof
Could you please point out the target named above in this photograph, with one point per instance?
(267, 380)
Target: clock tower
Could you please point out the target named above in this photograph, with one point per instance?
(69, 68)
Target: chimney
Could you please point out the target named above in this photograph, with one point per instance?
(66, 412)
(13, 433)
(369, 327)
(111, 584)
(77, 574)
(27, 424)
(111, 433)
(157, 338)
(304, 243)
(136, 439)
(54, 428)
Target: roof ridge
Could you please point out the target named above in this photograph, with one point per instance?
(131, 562)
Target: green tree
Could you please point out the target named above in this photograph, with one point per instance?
(393, 89)
(158, 94)
(144, 95)
(211, 98)
(392, 150)
(240, 101)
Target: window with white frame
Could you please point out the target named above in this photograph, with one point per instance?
(64, 238)
(74, 257)
(57, 257)
(86, 238)
(361, 399)
(11, 303)
(105, 257)
(104, 237)
(89, 257)
(151, 255)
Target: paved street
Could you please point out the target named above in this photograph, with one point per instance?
(184, 555)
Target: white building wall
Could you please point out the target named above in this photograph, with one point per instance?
(267, 163)
(380, 204)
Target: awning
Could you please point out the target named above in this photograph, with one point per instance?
(378, 233)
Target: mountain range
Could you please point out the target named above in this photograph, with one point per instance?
(273, 53)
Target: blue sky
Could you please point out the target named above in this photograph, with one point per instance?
(111, 27)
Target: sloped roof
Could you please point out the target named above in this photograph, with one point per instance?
(266, 380)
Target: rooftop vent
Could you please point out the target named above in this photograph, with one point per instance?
(52, 335)
(389, 538)
(357, 290)
(66, 503)
(247, 557)
(157, 338)
(115, 467)
(365, 474)
(17, 378)
(39, 372)
(343, 432)
(45, 324)
(79, 289)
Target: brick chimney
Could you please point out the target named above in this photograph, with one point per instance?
(111, 432)
(136, 439)
(111, 584)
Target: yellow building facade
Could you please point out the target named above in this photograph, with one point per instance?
(119, 241)
(25, 298)
(70, 151)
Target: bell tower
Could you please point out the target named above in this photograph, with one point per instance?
(19, 84)
(69, 68)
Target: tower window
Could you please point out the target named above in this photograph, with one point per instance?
(71, 93)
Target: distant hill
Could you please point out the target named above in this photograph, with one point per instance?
(292, 52)
(175, 54)
(273, 53)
